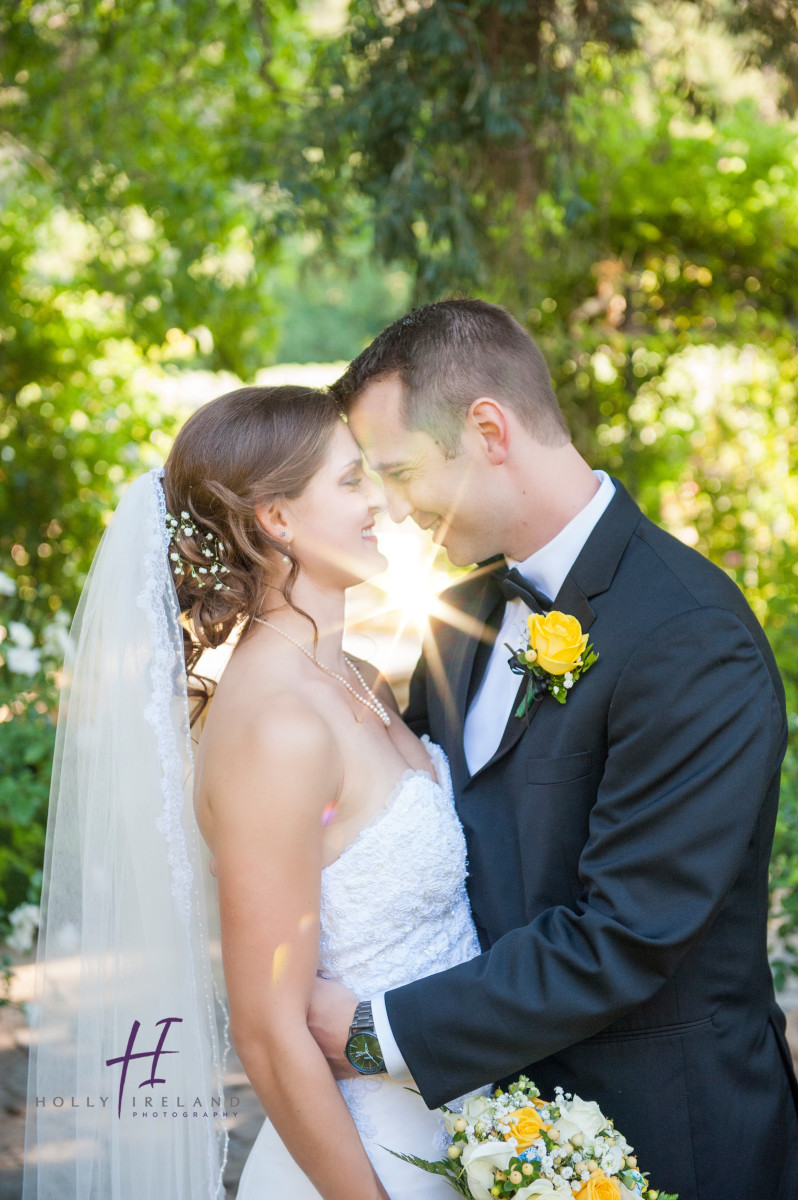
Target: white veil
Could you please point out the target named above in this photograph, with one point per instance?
(124, 935)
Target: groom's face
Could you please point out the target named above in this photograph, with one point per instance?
(446, 495)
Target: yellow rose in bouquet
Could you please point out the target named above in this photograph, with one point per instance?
(599, 1187)
(525, 1127)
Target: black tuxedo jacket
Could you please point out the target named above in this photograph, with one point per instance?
(618, 854)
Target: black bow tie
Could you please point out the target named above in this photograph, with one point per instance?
(514, 586)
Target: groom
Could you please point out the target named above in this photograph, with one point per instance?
(618, 844)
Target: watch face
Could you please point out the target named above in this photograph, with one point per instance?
(363, 1051)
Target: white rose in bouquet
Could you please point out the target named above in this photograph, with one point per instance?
(480, 1160)
(611, 1161)
(579, 1116)
(474, 1107)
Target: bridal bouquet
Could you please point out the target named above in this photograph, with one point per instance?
(516, 1145)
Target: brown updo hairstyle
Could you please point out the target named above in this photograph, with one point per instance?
(254, 446)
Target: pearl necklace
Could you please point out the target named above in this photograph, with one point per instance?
(369, 700)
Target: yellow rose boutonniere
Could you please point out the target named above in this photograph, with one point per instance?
(555, 656)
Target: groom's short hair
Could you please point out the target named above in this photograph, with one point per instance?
(447, 355)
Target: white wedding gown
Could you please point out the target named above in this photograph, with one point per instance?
(393, 909)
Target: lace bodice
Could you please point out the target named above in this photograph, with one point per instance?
(394, 905)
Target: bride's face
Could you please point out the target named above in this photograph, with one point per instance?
(332, 522)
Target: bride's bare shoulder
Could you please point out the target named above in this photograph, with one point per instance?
(269, 719)
(268, 731)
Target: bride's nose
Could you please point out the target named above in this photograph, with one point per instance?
(375, 497)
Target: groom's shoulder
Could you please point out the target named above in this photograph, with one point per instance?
(668, 556)
(652, 559)
(682, 559)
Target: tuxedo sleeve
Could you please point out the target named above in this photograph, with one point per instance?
(696, 734)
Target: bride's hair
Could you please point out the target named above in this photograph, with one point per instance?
(248, 448)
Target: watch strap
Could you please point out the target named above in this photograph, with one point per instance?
(363, 1021)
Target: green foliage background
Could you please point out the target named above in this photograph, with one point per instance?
(187, 185)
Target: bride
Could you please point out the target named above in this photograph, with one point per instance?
(331, 827)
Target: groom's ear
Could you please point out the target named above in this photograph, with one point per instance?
(274, 518)
(488, 420)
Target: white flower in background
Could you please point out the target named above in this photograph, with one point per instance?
(20, 635)
(56, 637)
(24, 922)
(8, 586)
(22, 661)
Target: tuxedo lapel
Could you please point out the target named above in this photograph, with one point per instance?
(471, 620)
(598, 560)
(573, 601)
(591, 574)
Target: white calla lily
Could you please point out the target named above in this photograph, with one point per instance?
(545, 1187)
(481, 1160)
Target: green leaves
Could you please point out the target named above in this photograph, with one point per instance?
(446, 1167)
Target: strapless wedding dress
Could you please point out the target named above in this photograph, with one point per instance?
(393, 909)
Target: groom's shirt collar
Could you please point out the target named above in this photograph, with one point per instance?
(547, 568)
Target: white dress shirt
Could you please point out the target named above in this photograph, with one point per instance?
(492, 705)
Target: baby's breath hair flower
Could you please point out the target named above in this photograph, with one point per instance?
(207, 544)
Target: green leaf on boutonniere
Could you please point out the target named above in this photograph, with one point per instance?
(534, 688)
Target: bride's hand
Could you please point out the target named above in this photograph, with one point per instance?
(332, 1008)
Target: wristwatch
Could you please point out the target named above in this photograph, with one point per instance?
(362, 1046)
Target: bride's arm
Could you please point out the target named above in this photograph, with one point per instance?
(269, 780)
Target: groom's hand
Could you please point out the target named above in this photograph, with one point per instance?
(332, 1008)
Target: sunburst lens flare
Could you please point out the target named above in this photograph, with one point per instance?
(414, 579)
